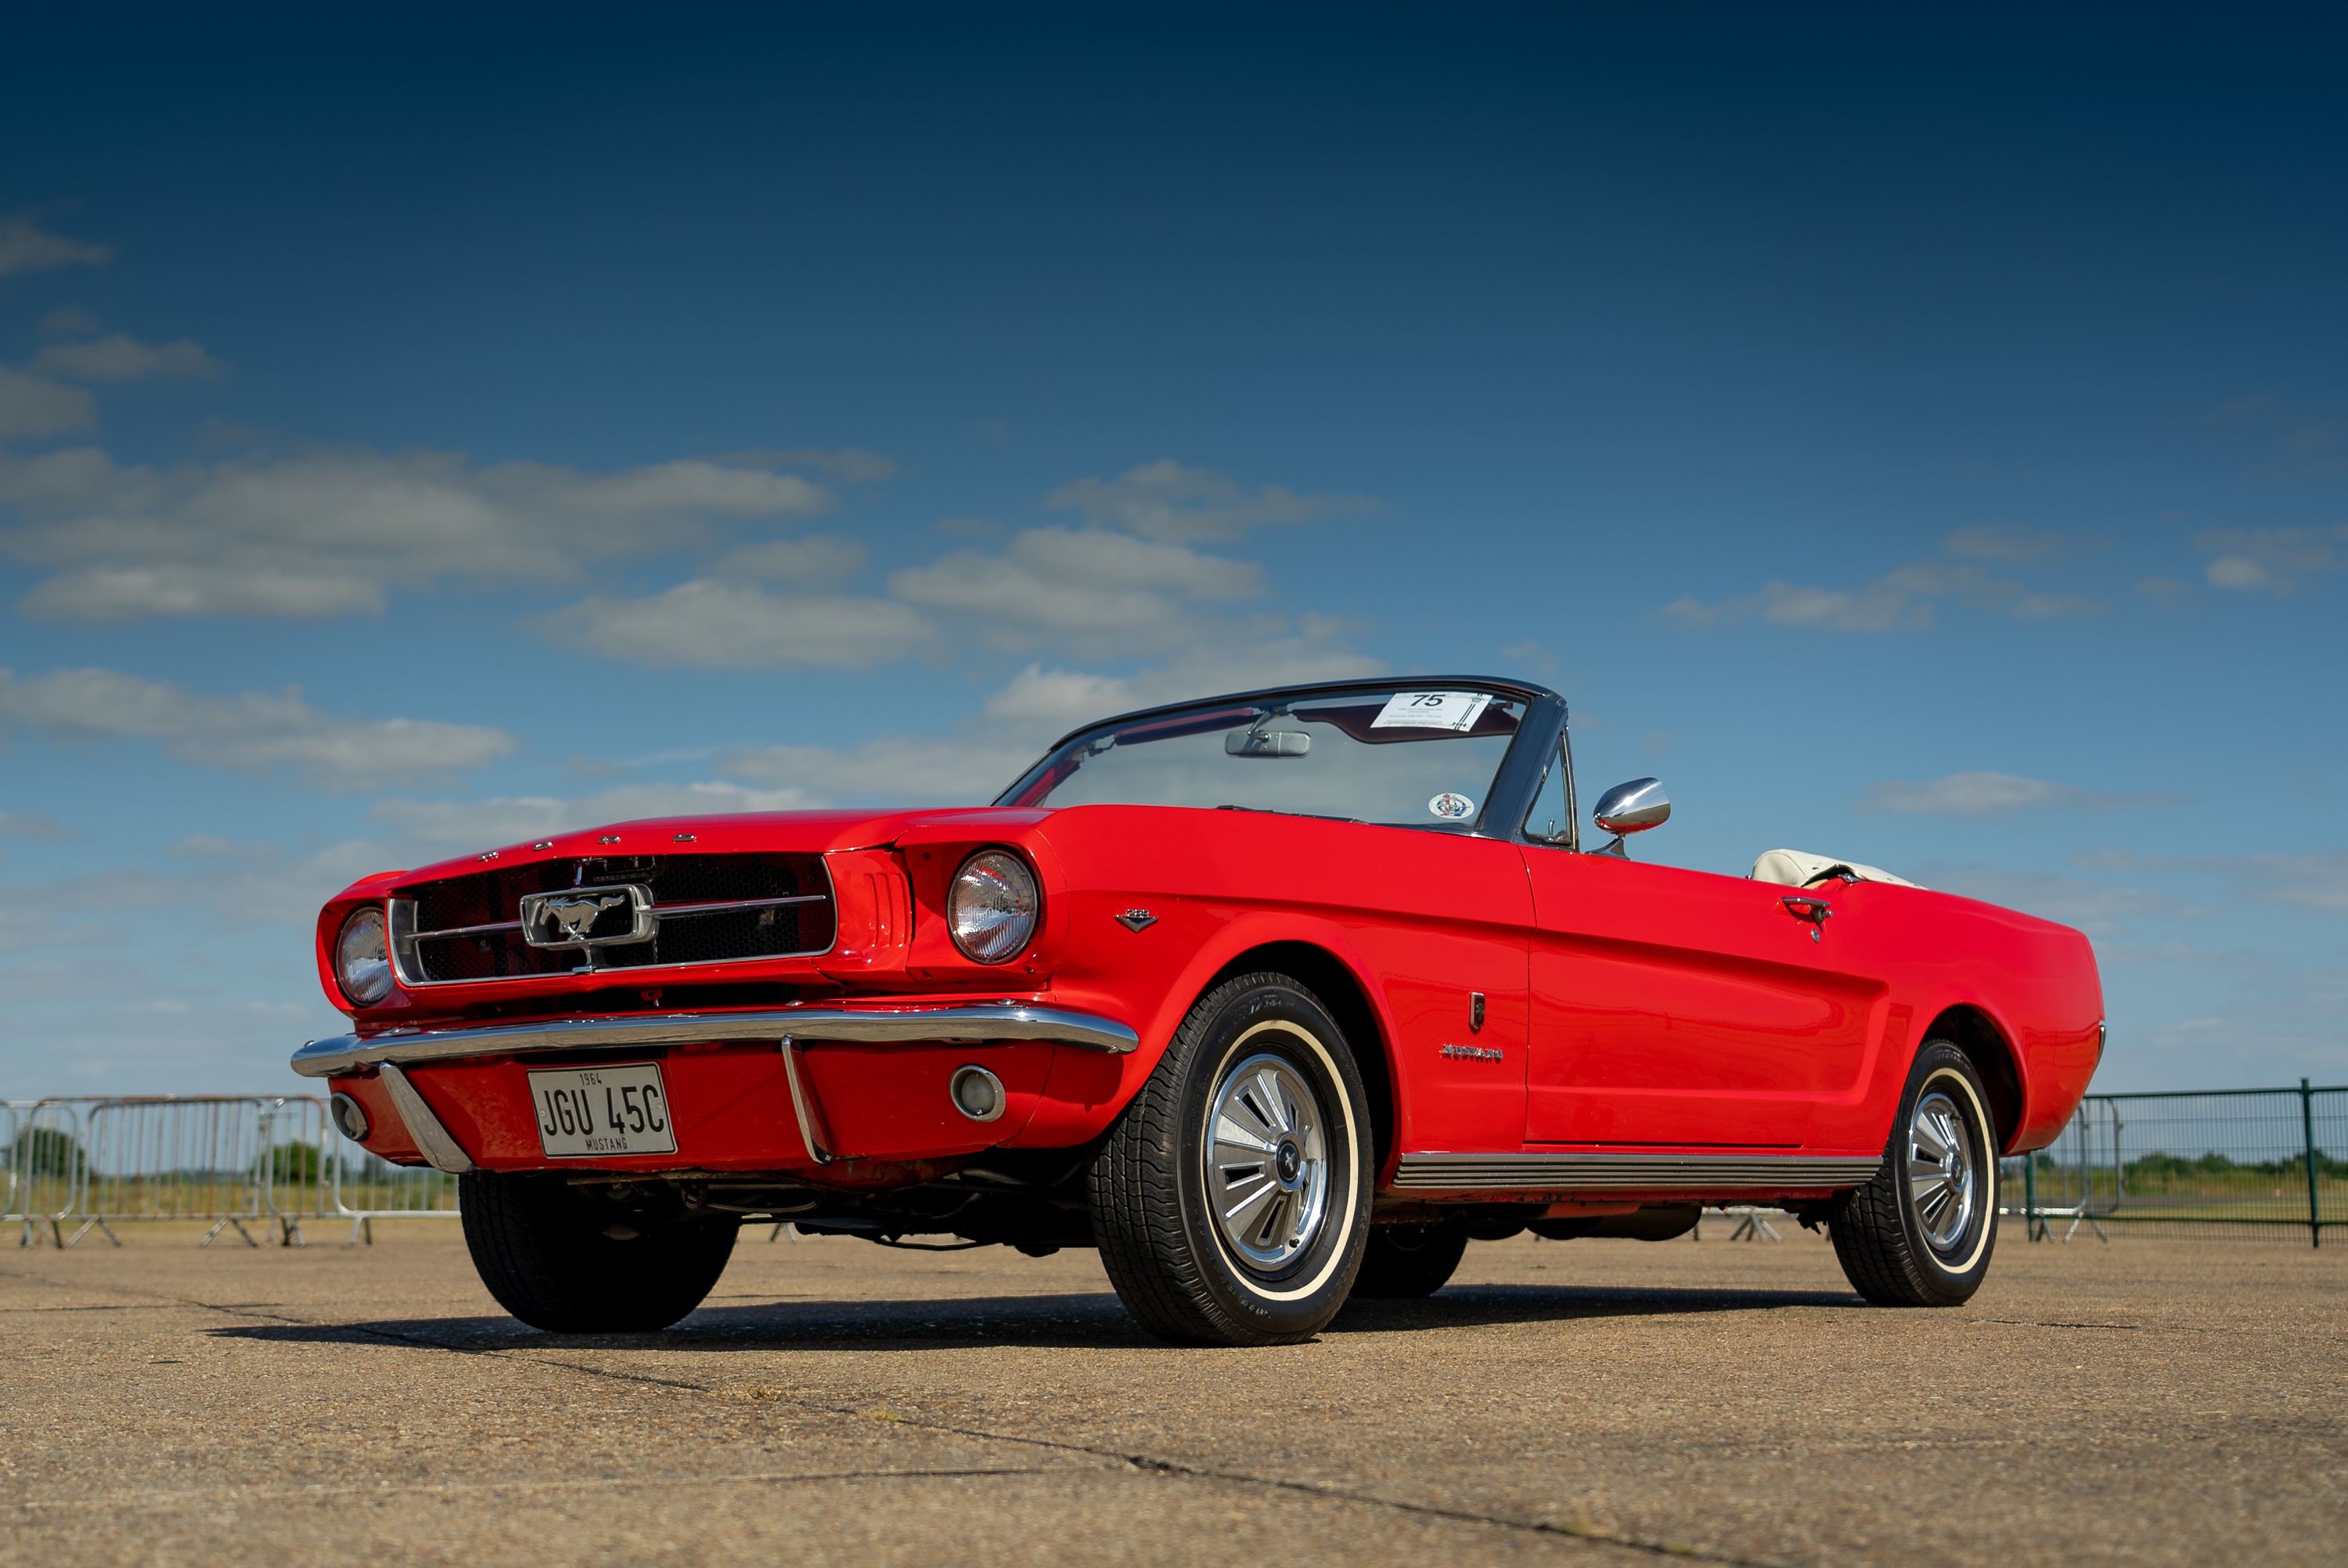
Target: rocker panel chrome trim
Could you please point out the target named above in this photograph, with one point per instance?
(1583, 1172)
(347, 1053)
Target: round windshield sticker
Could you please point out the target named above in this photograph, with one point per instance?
(1451, 807)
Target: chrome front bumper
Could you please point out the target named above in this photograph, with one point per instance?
(344, 1054)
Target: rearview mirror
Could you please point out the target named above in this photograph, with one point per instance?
(1634, 807)
(1267, 744)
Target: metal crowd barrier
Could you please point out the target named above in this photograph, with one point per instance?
(2241, 1160)
(2237, 1161)
(241, 1161)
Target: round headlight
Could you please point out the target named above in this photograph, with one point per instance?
(363, 958)
(991, 907)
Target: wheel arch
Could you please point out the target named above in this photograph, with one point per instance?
(1341, 990)
(1970, 1028)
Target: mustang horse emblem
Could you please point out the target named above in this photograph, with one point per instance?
(569, 920)
(577, 916)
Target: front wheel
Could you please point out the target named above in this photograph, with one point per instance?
(561, 1262)
(1231, 1199)
(1920, 1234)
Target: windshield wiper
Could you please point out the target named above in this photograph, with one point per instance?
(1275, 811)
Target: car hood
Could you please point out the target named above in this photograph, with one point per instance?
(816, 832)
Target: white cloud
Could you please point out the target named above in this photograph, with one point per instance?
(1166, 500)
(120, 358)
(824, 559)
(25, 926)
(2092, 907)
(254, 731)
(894, 770)
(843, 466)
(2316, 880)
(1998, 541)
(331, 533)
(2268, 561)
(32, 825)
(707, 624)
(1035, 710)
(249, 884)
(1990, 795)
(1966, 795)
(68, 321)
(26, 248)
(1090, 592)
(1051, 703)
(1530, 654)
(2275, 1023)
(1904, 599)
(1097, 594)
(33, 405)
(1102, 594)
(455, 826)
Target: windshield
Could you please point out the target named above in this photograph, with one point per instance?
(1403, 756)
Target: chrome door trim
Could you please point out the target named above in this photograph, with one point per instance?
(955, 1022)
(1587, 1171)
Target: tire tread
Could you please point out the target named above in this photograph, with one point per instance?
(1873, 1240)
(523, 1230)
(1134, 1194)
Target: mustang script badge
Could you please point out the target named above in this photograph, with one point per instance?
(589, 916)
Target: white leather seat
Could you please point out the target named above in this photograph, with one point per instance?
(1795, 869)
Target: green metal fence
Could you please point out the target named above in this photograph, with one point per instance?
(2243, 1161)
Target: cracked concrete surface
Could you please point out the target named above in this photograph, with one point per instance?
(2147, 1401)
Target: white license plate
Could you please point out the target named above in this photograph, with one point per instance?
(603, 1110)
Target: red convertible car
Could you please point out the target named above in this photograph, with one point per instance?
(1275, 999)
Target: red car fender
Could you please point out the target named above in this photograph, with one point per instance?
(2050, 1071)
(1250, 929)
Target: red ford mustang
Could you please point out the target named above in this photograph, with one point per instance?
(1275, 999)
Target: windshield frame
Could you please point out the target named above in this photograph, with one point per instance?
(1539, 738)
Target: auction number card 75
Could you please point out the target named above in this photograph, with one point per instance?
(1453, 710)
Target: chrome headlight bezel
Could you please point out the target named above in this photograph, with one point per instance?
(364, 971)
(994, 905)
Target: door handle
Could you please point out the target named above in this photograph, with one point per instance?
(1815, 912)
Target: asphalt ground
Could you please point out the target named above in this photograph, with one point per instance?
(2145, 1401)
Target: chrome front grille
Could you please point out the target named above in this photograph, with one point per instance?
(703, 909)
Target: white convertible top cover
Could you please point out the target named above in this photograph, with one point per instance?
(1795, 869)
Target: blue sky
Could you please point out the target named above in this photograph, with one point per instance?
(1919, 439)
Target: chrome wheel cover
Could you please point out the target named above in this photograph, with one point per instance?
(1267, 1163)
(1940, 1170)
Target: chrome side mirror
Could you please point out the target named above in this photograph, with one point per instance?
(1630, 808)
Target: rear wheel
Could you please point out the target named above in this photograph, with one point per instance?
(1231, 1199)
(1920, 1233)
(1406, 1261)
(561, 1262)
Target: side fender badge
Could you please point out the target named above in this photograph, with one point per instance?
(1137, 919)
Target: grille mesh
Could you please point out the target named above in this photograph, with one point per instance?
(487, 898)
